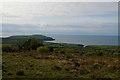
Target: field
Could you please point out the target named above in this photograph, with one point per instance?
(40, 60)
(66, 61)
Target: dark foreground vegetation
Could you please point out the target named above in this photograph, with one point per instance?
(36, 59)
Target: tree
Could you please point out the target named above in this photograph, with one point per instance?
(31, 44)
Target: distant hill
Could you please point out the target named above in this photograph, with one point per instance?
(19, 39)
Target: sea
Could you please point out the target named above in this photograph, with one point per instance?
(85, 39)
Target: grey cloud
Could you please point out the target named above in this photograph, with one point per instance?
(59, 18)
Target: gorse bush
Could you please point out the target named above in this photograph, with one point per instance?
(20, 73)
(42, 50)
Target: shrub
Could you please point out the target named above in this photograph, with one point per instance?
(31, 44)
(100, 54)
(7, 48)
(62, 52)
(9, 74)
(57, 68)
(84, 72)
(51, 49)
(42, 50)
(20, 73)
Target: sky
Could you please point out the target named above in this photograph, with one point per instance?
(74, 18)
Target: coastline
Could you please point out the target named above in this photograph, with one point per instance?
(53, 41)
(85, 39)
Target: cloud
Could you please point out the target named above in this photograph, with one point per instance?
(27, 10)
(18, 29)
(63, 17)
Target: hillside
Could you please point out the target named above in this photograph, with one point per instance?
(57, 60)
(19, 39)
(62, 61)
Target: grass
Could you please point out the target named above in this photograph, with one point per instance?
(66, 61)
(60, 66)
(104, 46)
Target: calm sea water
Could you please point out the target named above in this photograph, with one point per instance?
(85, 39)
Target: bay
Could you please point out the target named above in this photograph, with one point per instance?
(85, 39)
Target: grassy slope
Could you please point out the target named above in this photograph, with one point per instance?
(57, 65)
(104, 46)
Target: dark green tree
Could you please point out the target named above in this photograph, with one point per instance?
(31, 44)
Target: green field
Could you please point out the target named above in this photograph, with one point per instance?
(61, 61)
(104, 46)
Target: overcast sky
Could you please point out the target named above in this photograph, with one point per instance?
(77, 18)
